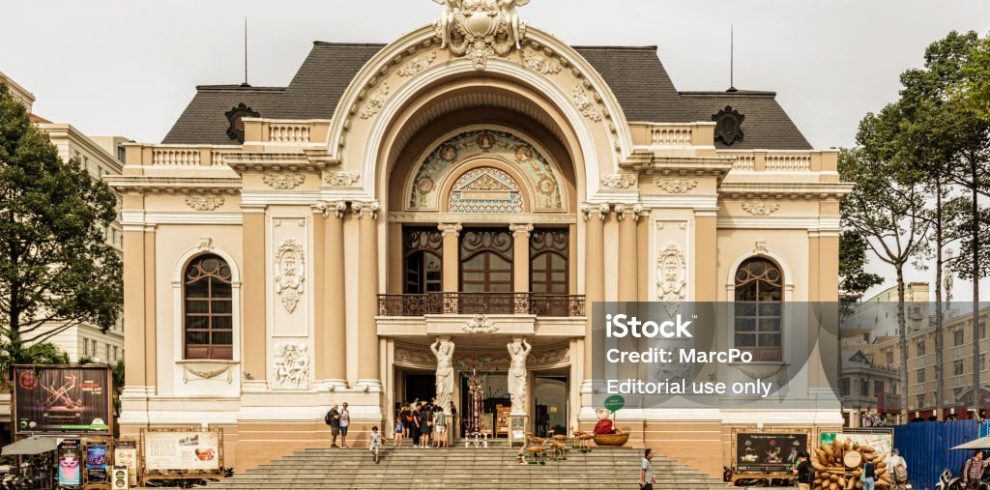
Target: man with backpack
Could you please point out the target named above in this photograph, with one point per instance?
(805, 473)
(333, 420)
(972, 473)
(897, 468)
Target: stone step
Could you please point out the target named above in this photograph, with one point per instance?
(494, 468)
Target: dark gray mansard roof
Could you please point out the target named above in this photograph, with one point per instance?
(635, 74)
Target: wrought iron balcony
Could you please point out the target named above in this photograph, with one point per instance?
(545, 305)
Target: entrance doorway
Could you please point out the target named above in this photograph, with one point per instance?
(419, 385)
(550, 404)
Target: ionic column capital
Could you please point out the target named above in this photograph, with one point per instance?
(633, 211)
(366, 209)
(599, 210)
(521, 230)
(448, 229)
(326, 208)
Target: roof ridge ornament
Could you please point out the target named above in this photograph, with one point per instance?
(481, 29)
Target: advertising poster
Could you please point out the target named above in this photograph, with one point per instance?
(96, 462)
(125, 454)
(182, 450)
(69, 458)
(767, 452)
(68, 399)
(882, 442)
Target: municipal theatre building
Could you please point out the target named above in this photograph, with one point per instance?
(476, 182)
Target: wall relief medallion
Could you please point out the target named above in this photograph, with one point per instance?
(289, 273)
(677, 186)
(671, 274)
(283, 181)
(417, 64)
(546, 65)
(377, 101)
(619, 181)
(480, 324)
(760, 208)
(586, 104)
(480, 29)
(291, 365)
(204, 203)
(423, 190)
(342, 179)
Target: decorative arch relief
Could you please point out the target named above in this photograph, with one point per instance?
(499, 145)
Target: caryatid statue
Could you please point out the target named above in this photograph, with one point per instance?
(443, 349)
(518, 375)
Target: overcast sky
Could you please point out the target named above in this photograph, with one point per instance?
(129, 67)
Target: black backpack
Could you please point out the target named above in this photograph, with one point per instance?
(327, 419)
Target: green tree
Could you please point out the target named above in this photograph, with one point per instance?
(886, 208)
(948, 137)
(56, 269)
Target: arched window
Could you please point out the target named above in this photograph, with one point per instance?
(758, 308)
(486, 261)
(423, 254)
(548, 261)
(208, 313)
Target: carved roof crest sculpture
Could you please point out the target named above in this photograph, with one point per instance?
(481, 29)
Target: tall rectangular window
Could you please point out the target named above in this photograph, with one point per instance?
(548, 255)
(486, 261)
(423, 260)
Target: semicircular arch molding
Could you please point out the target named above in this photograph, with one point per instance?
(428, 186)
(578, 92)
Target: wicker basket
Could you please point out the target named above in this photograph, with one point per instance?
(615, 440)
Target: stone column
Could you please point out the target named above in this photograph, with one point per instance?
(369, 377)
(334, 327)
(254, 325)
(594, 274)
(520, 266)
(451, 254)
(628, 215)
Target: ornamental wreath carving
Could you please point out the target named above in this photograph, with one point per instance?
(677, 186)
(586, 105)
(342, 179)
(289, 273)
(619, 181)
(480, 324)
(671, 274)
(283, 181)
(377, 101)
(204, 203)
(291, 364)
(418, 64)
(543, 65)
(760, 208)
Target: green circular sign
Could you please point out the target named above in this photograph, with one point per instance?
(614, 403)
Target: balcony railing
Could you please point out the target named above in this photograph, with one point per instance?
(546, 305)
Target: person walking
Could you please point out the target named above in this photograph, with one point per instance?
(805, 473)
(646, 478)
(375, 443)
(897, 468)
(973, 471)
(869, 475)
(345, 423)
(333, 420)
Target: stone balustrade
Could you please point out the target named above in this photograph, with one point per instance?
(285, 131)
(178, 156)
(782, 161)
(673, 134)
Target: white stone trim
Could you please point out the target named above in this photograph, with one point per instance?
(300, 198)
(763, 223)
(182, 218)
(702, 203)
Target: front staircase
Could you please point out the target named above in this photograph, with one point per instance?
(493, 468)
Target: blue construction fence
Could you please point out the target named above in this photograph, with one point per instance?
(927, 448)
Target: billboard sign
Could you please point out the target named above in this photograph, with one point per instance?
(63, 399)
(182, 450)
(768, 452)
